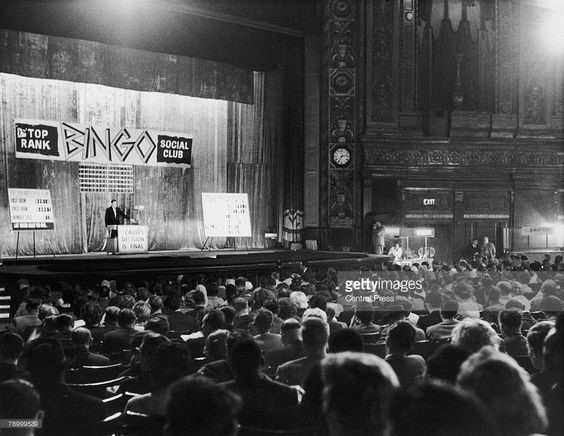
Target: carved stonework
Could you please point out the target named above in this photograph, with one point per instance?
(382, 33)
(342, 8)
(481, 157)
(535, 101)
(342, 119)
(341, 194)
(342, 39)
(341, 82)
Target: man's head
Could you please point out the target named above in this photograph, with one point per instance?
(290, 331)
(551, 306)
(11, 347)
(434, 300)
(91, 313)
(168, 362)
(486, 240)
(111, 315)
(46, 360)
(156, 303)
(401, 337)
(365, 312)
(315, 334)
(142, 312)
(215, 347)
(358, 389)
(158, 324)
(535, 342)
(114, 203)
(246, 359)
(32, 305)
(212, 321)
(445, 362)
(64, 323)
(199, 407)
(126, 318)
(81, 337)
(449, 309)
(510, 321)
(263, 321)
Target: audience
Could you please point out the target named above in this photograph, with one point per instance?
(296, 322)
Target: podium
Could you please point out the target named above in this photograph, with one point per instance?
(130, 239)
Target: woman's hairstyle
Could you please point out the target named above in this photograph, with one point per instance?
(474, 334)
(505, 389)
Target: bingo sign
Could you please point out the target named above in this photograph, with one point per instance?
(226, 215)
(31, 209)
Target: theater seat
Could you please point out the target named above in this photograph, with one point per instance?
(98, 389)
(138, 424)
(93, 374)
(377, 349)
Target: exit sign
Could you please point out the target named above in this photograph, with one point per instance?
(428, 202)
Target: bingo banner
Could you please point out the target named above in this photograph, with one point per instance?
(89, 144)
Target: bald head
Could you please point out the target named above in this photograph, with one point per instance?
(81, 336)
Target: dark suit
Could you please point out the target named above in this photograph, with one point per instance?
(117, 340)
(114, 218)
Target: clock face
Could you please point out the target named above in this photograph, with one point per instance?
(341, 156)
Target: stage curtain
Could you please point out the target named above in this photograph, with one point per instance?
(254, 156)
(52, 57)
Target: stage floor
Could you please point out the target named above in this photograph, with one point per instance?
(151, 264)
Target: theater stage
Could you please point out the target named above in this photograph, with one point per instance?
(149, 265)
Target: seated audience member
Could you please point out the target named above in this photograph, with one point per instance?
(267, 341)
(138, 379)
(467, 305)
(229, 315)
(334, 325)
(118, 340)
(215, 347)
(19, 400)
(364, 313)
(514, 342)
(66, 411)
(243, 317)
(142, 313)
(357, 391)
(199, 298)
(65, 324)
(11, 349)
(158, 324)
(263, 399)
(506, 291)
(30, 319)
(178, 320)
(287, 309)
(493, 303)
(548, 288)
(300, 301)
(552, 307)
(211, 321)
(214, 300)
(293, 347)
(315, 334)
(220, 370)
(434, 302)
(443, 330)
(81, 340)
(473, 334)
(91, 313)
(505, 389)
(535, 344)
(198, 407)
(445, 362)
(553, 364)
(156, 304)
(400, 313)
(437, 409)
(167, 363)
(399, 341)
(272, 305)
(347, 339)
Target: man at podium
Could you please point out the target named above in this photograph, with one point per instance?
(114, 217)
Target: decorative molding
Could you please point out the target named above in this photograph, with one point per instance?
(453, 157)
(429, 216)
(506, 59)
(486, 216)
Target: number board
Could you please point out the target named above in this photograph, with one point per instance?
(226, 214)
(31, 209)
